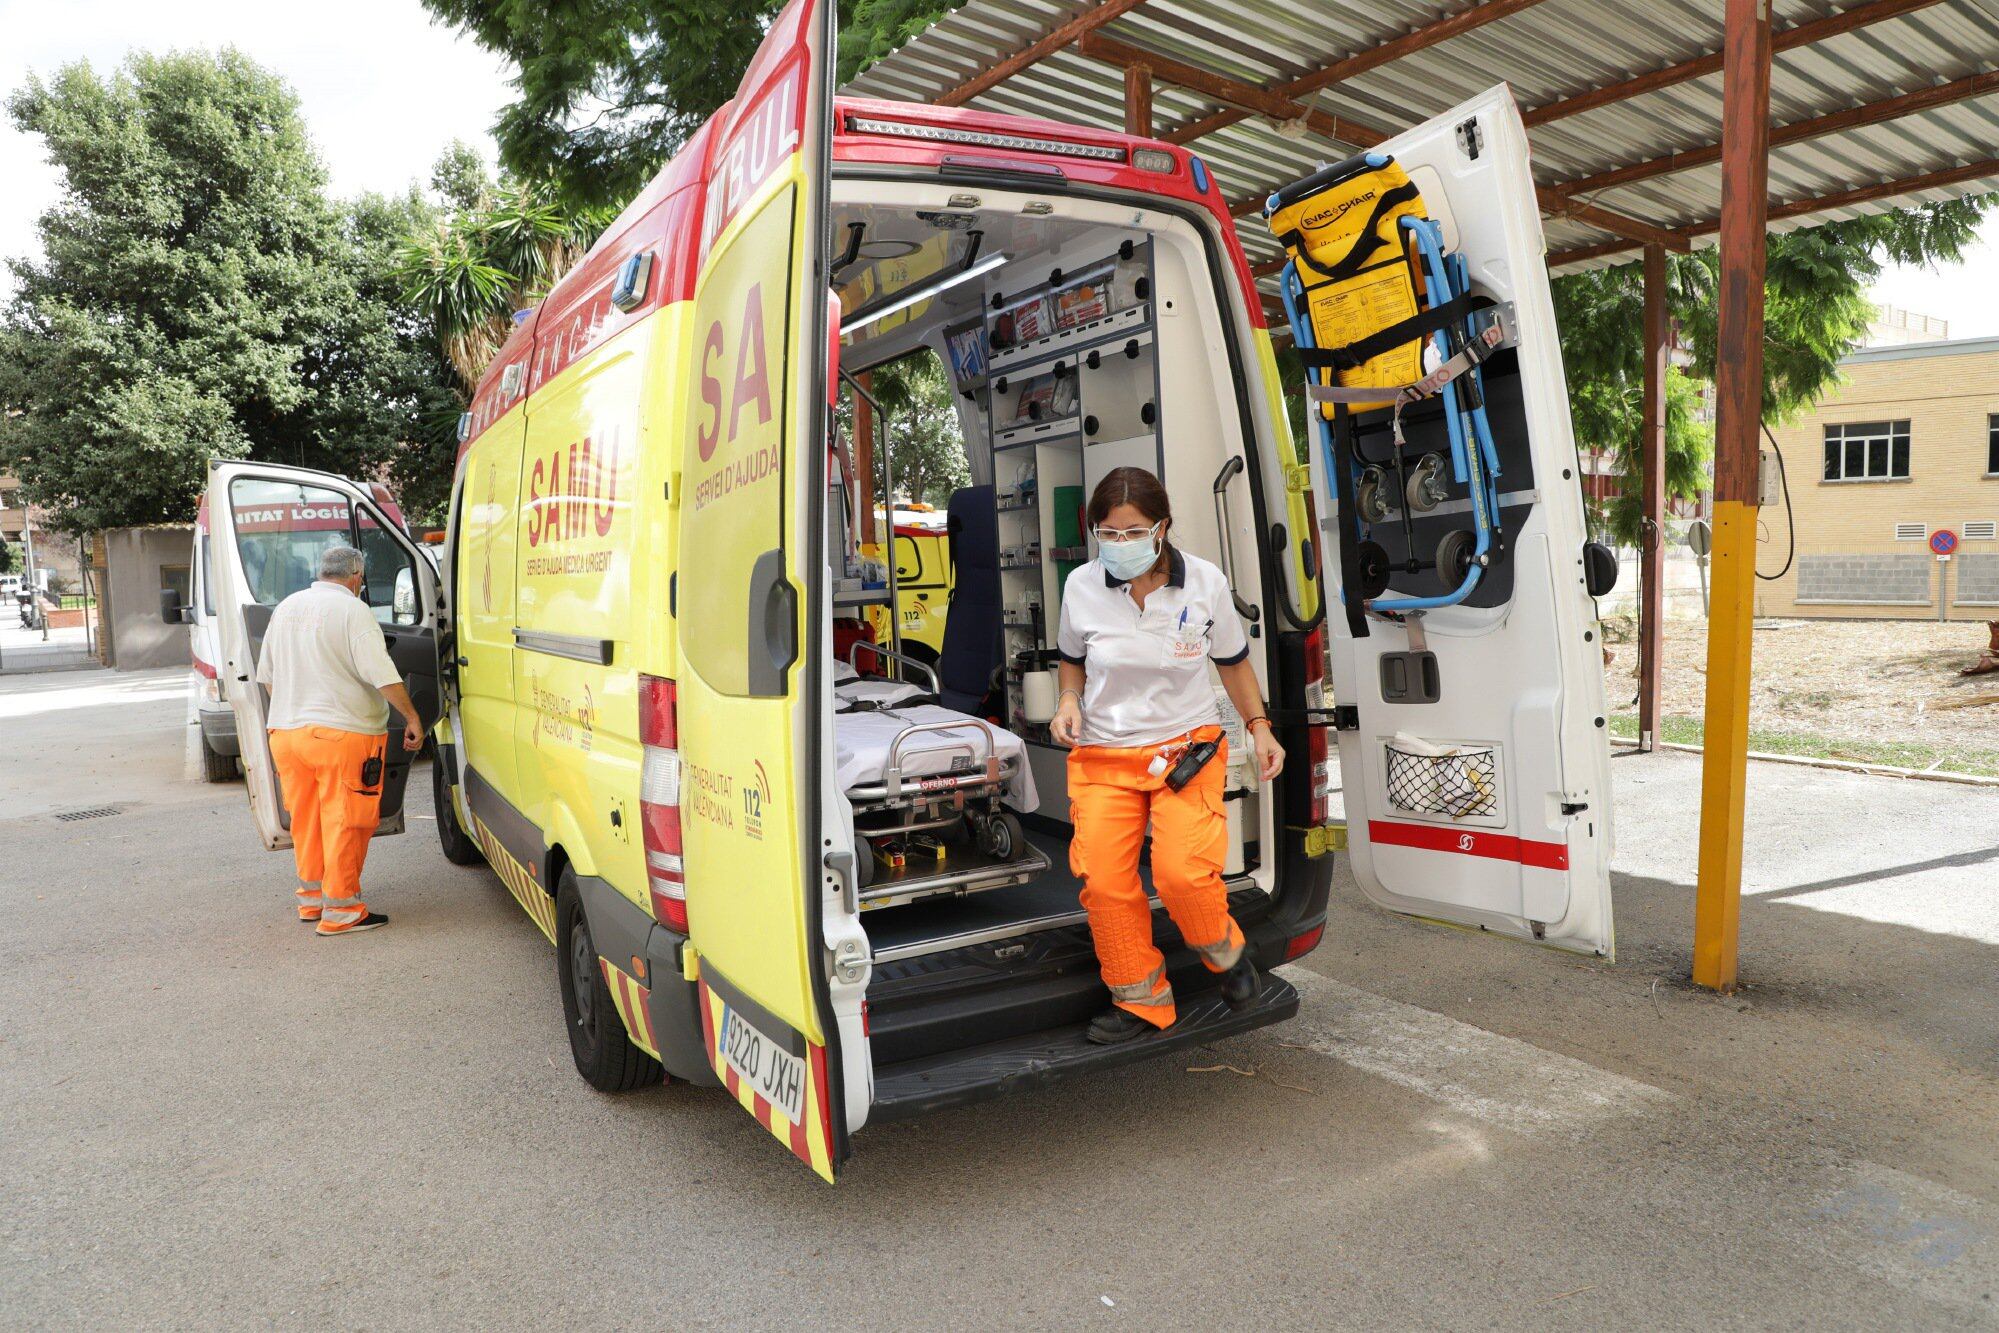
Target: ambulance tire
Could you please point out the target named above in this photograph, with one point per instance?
(460, 847)
(216, 767)
(605, 1056)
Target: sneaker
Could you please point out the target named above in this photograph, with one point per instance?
(368, 922)
(1240, 984)
(1116, 1025)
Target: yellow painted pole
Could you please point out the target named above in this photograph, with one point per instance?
(1745, 137)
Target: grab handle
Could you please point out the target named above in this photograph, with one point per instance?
(903, 661)
(1230, 470)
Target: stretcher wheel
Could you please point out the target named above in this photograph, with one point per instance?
(1427, 487)
(1371, 495)
(1373, 572)
(864, 863)
(1454, 556)
(957, 833)
(1001, 838)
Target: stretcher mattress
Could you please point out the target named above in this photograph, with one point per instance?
(861, 742)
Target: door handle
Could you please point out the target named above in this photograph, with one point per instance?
(773, 625)
(1230, 470)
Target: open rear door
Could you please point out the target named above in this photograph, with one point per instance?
(764, 912)
(1477, 778)
(267, 526)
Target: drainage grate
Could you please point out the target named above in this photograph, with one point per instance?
(93, 812)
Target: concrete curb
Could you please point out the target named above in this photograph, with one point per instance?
(1837, 765)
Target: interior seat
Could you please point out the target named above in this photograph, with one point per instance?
(972, 632)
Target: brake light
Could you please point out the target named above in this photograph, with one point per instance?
(1318, 735)
(1019, 143)
(1300, 945)
(659, 799)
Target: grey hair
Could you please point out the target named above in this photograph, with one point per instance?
(339, 562)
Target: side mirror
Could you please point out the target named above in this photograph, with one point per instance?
(1599, 568)
(172, 611)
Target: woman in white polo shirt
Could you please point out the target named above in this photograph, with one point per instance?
(1140, 624)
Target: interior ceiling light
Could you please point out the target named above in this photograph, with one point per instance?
(922, 292)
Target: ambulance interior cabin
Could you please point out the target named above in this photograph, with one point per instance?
(1071, 337)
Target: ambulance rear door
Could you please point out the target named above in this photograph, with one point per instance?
(267, 526)
(768, 905)
(1474, 762)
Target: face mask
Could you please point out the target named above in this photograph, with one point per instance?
(1127, 560)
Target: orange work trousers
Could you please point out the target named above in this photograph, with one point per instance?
(1113, 794)
(332, 786)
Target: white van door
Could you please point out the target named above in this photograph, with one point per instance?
(267, 526)
(1474, 756)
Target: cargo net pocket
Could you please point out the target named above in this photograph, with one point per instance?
(1461, 782)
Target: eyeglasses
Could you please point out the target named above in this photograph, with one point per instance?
(1123, 534)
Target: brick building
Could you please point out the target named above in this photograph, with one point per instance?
(1907, 445)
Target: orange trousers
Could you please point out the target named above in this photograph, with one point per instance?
(331, 781)
(1113, 794)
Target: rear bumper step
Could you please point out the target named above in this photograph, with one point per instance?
(957, 1078)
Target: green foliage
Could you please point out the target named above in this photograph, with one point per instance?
(1816, 310)
(199, 296)
(924, 435)
(610, 90)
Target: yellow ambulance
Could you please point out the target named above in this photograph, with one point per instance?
(756, 874)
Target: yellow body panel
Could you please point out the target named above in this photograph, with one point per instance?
(923, 589)
(1298, 515)
(740, 805)
(486, 569)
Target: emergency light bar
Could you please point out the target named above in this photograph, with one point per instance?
(1019, 143)
(922, 292)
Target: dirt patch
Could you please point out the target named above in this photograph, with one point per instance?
(1877, 680)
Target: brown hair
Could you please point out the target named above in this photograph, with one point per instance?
(1141, 490)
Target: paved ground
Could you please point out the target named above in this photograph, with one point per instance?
(209, 1117)
(23, 649)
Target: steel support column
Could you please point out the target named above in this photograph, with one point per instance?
(1652, 525)
(1745, 164)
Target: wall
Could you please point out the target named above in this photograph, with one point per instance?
(130, 582)
(1850, 562)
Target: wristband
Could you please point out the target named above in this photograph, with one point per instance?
(1065, 694)
(1251, 724)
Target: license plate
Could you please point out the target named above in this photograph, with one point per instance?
(775, 1074)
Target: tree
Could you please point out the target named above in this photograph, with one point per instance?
(610, 90)
(926, 441)
(1816, 310)
(199, 296)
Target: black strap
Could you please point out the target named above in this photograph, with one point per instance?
(1349, 522)
(1422, 323)
(1365, 244)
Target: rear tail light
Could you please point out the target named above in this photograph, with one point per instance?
(1156, 160)
(1300, 945)
(1318, 735)
(659, 799)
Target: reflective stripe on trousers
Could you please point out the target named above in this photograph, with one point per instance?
(308, 896)
(1113, 795)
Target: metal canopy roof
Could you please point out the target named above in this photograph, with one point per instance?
(1873, 103)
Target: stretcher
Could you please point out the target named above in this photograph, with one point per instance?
(935, 793)
(1367, 285)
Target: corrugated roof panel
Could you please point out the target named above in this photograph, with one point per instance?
(1547, 52)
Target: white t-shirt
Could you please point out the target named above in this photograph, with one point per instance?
(1146, 676)
(325, 663)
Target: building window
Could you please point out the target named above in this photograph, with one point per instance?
(1992, 443)
(1867, 451)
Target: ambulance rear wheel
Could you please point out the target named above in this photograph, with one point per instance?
(460, 847)
(216, 767)
(605, 1056)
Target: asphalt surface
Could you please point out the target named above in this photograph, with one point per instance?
(209, 1117)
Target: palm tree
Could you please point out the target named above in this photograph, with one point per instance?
(470, 271)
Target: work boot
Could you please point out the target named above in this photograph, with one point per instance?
(1240, 984)
(1116, 1025)
(368, 922)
